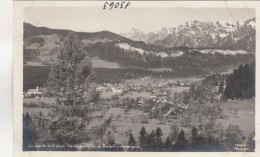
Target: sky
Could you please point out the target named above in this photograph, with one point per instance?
(120, 21)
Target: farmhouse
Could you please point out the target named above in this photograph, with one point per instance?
(34, 92)
(171, 114)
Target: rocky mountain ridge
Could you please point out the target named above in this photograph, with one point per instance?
(196, 34)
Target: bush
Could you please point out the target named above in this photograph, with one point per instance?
(143, 119)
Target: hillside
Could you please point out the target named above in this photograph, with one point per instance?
(32, 31)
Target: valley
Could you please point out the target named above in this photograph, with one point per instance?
(150, 91)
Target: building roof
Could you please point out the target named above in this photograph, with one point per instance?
(171, 111)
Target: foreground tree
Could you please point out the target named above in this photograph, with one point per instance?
(198, 142)
(150, 142)
(213, 145)
(194, 138)
(158, 138)
(142, 136)
(175, 130)
(131, 141)
(72, 74)
(29, 134)
(110, 139)
(168, 144)
(181, 143)
(71, 78)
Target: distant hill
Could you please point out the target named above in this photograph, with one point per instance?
(30, 31)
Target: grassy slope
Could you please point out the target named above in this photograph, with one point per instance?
(245, 118)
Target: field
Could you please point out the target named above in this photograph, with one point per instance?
(99, 63)
(135, 95)
(105, 95)
(179, 89)
(130, 121)
(123, 122)
(47, 100)
(245, 117)
(239, 112)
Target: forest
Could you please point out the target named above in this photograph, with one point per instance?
(241, 83)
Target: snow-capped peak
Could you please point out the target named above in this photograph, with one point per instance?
(200, 34)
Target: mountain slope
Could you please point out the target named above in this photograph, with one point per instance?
(30, 30)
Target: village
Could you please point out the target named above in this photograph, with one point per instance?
(145, 102)
(138, 102)
(145, 94)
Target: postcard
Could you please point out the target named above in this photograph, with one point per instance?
(150, 77)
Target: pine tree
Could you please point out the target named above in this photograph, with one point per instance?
(202, 143)
(158, 138)
(181, 143)
(194, 138)
(251, 80)
(27, 116)
(72, 73)
(213, 145)
(174, 132)
(110, 139)
(142, 136)
(29, 134)
(150, 142)
(241, 83)
(168, 144)
(197, 142)
(131, 141)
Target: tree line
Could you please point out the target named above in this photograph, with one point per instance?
(241, 83)
(191, 61)
(197, 142)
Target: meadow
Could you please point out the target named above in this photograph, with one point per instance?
(123, 122)
(99, 63)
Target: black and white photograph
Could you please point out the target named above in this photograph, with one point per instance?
(136, 79)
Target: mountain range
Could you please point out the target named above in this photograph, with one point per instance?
(196, 34)
(191, 54)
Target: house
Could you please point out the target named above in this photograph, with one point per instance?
(171, 114)
(34, 93)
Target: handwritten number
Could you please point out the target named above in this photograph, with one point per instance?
(105, 5)
(122, 4)
(117, 4)
(128, 3)
(112, 5)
